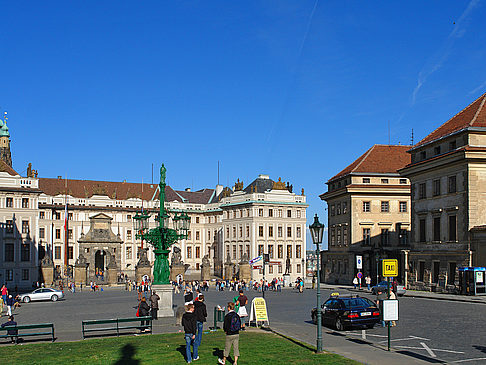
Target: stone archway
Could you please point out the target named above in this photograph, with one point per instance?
(100, 261)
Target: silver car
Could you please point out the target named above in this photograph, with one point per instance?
(382, 286)
(42, 294)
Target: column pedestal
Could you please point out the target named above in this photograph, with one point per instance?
(164, 291)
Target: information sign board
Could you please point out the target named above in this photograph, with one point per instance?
(359, 262)
(390, 267)
(390, 310)
(258, 311)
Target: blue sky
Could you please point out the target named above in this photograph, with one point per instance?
(297, 89)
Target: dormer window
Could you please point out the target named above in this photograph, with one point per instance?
(452, 145)
(384, 181)
(437, 150)
(366, 180)
(423, 155)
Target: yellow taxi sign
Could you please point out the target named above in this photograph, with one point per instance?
(390, 267)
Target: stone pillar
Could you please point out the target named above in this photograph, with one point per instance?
(47, 271)
(164, 291)
(228, 270)
(205, 268)
(245, 271)
(111, 271)
(143, 267)
(81, 270)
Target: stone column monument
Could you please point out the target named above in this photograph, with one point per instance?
(143, 266)
(245, 269)
(81, 270)
(112, 270)
(228, 268)
(47, 270)
(177, 266)
(205, 268)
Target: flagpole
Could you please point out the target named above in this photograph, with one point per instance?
(66, 236)
(142, 213)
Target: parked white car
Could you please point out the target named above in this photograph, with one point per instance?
(42, 294)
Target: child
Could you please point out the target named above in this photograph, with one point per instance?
(190, 330)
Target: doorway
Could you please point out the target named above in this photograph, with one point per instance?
(100, 261)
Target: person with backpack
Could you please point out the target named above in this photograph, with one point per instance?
(231, 326)
(190, 329)
(201, 314)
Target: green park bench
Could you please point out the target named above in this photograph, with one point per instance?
(25, 330)
(115, 325)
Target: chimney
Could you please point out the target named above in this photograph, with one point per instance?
(59, 177)
(262, 176)
(188, 190)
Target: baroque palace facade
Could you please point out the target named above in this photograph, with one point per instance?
(228, 225)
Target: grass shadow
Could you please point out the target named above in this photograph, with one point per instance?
(182, 350)
(127, 356)
(218, 352)
(301, 344)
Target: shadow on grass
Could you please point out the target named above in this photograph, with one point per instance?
(182, 350)
(127, 353)
(219, 354)
(301, 344)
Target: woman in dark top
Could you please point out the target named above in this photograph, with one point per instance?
(143, 311)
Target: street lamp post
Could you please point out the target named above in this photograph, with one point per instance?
(161, 237)
(317, 230)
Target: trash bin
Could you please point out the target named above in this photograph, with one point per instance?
(218, 316)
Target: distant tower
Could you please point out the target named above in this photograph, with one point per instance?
(5, 154)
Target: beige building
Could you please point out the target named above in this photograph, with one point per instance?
(238, 222)
(368, 214)
(448, 177)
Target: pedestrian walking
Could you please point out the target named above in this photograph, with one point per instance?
(188, 295)
(242, 300)
(201, 315)
(231, 326)
(154, 304)
(368, 282)
(190, 329)
(4, 294)
(355, 282)
(10, 303)
(380, 297)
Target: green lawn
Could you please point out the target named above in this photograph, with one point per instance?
(255, 348)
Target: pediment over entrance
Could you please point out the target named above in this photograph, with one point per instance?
(100, 231)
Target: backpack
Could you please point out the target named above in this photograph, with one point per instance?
(235, 324)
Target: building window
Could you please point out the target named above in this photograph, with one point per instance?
(299, 213)
(247, 231)
(403, 207)
(280, 251)
(198, 252)
(25, 227)
(345, 236)
(260, 231)
(198, 235)
(42, 232)
(189, 234)
(70, 252)
(384, 181)
(421, 270)
(260, 212)
(129, 234)
(333, 210)
(452, 228)
(57, 252)
(280, 213)
(403, 236)
(197, 219)
(298, 232)
(338, 208)
(280, 231)
(70, 234)
(299, 267)
(385, 237)
(451, 278)
(270, 251)
(25, 202)
(366, 236)
(9, 252)
(289, 251)
(345, 207)
(366, 180)
(298, 251)
(189, 252)
(289, 232)
(279, 269)
(452, 184)
(423, 155)
(9, 203)
(289, 213)
(241, 231)
(9, 226)
(436, 229)
(437, 150)
(436, 185)
(128, 254)
(25, 274)
(9, 275)
(385, 207)
(42, 215)
(270, 231)
(338, 236)
(435, 271)
(366, 207)
(57, 215)
(422, 191)
(452, 145)
(333, 236)
(403, 181)
(422, 237)
(260, 250)
(58, 234)
(270, 269)
(129, 217)
(70, 216)
(270, 212)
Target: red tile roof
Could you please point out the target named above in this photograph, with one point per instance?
(115, 190)
(474, 115)
(6, 168)
(378, 159)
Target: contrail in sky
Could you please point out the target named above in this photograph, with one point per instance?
(444, 52)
